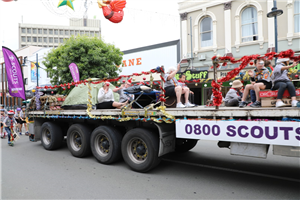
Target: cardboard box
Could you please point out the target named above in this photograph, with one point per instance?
(273, 93)
(271, 102)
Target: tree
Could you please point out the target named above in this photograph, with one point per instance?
(94, 58)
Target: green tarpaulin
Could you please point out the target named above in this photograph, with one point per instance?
(79, 95)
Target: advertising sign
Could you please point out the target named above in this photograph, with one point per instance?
(74, 71)
(258, 132)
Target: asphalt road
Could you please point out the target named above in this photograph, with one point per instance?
(206, 172)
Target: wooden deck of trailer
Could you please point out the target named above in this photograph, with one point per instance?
(195, 112)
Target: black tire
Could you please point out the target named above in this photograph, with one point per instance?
(140, 149)
(106, 144)
(78, 140)
(51, 136)
(184, 145)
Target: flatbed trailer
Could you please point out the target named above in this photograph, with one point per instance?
(142, 137)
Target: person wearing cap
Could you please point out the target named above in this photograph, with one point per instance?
(174, 89)
(23, 119)
(282, 81)
(234, 95)
(18, 119)
(120, 90)
(106, 98)
(9, 122)
(260, 80)
(2, 117)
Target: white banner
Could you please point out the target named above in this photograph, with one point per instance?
(258, 132)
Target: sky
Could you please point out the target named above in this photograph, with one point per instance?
(146, 22)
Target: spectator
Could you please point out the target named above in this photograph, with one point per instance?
(174, 89)
(2, 117)
(182, 83)
(234, 95)
(106, 98)
(18, 119)
(282, 81)
(124, 97)
(23, 119)
(260, 80)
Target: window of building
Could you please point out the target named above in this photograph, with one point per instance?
(297, 16)
(34, 39)
(206, 32)
(71, 32)
(45, 46)
(55, 32)
(23, 30)
(76, 32)
(50, 32)
(50, 40)
(39, 31)
(45, 40)
(249, 25)
(45, 31)
(97, 33)
(23, 45)
(81, 32)
(28, 39)
(61, 40)
(66, 32)
(55, 40)
(40, 39)
(61, 32)
(23, 39)
(29, 30)
(34, 31)
(92, 33)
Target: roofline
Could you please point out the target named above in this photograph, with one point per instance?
(155, 46)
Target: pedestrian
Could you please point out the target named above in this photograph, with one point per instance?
(18, 119)
(2, 117)
(23, 120)
(9, 123)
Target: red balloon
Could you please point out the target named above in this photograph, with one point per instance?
(7, 0)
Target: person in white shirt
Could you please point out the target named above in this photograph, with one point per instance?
(174, 89)
(106, 98)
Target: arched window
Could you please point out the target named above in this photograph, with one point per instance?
(249, 25)
(206, 32)
(297, 16)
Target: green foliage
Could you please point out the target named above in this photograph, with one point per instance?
(94, 58)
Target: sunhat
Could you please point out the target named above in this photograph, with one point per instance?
(237, 84)
(281, 60)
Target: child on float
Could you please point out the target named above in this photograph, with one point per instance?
(2, 117)
(182, 83)
(23, 119)
(282, 81)
(234, 95)
(9, 122)
(19, 120)
(260, 80)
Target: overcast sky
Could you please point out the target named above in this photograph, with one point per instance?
(145, 22)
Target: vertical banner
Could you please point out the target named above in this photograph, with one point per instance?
(74, 71)
(14, 74)
(33, 72)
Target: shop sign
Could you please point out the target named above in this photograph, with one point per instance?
(193, 75)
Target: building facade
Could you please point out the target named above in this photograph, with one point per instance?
(52, 35)
(234, 28)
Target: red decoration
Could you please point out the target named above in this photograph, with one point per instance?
(113, 10)
(7, 0)
(144, 78)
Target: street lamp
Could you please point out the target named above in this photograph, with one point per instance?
(274, 13)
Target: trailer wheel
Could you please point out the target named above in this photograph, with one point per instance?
(184, 145)
(140, 149)
(51, 136)
(106, 144)
(78, 140)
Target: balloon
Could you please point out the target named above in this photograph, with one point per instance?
(7, 0)
(112, 10)
(66, 2)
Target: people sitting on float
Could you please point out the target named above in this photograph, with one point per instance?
(260, 80)
(182, 83)
(234, 95)
(174, 89)
(282, 81)
(106, 98)
(120, 90)
(269, 66)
